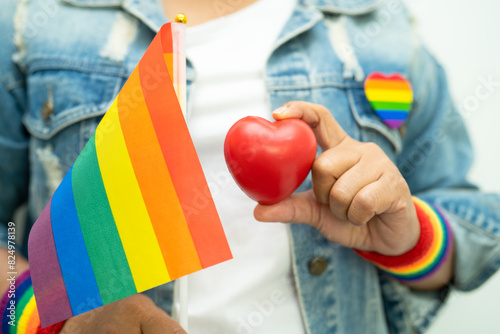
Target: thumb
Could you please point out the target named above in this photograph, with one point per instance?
(304, 208)
(160, 323)
(297, 208)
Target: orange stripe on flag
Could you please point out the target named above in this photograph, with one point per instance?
(186, 172)
(155, 181)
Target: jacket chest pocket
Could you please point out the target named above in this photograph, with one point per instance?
(59, 97)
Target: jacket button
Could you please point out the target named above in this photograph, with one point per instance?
(48, 106)
(47, 110)
(317, 266)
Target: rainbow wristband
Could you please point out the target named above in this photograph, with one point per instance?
(18, 309)
(431, 251)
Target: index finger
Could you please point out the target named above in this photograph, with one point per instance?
(328, 132)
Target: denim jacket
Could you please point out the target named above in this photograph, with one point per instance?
(62, 62)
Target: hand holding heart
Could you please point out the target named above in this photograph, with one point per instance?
(359, 198)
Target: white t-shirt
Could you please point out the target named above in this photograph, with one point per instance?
(253, 292)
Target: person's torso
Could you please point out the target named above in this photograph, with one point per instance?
(77, 54)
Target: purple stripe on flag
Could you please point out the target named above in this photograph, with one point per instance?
(48, 284)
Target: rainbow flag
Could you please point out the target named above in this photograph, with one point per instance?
(390, 96)
(134, 211)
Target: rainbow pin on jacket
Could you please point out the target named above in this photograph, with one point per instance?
(390, 96)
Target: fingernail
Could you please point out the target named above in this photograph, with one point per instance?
(280, 111)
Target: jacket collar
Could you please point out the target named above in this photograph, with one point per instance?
(94, 3)
(148, 11)
(348, 7)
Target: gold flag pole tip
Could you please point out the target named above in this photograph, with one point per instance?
(181, 18)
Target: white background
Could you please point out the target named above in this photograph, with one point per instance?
(464, 36)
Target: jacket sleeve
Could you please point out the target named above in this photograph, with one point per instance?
(435, 160)
(13, 136)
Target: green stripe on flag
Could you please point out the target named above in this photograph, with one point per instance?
(102, 240)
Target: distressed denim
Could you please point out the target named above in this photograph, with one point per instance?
(62, 62)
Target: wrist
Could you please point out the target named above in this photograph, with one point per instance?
(18, 310)
(426, 257)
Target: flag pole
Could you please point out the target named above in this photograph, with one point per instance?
(179, 59)
(180, 88)
(183, 301)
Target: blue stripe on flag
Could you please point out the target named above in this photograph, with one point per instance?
(74, 260)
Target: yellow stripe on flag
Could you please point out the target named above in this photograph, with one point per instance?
(129, 211)
(389, 95)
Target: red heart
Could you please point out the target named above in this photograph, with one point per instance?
(269, 160)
